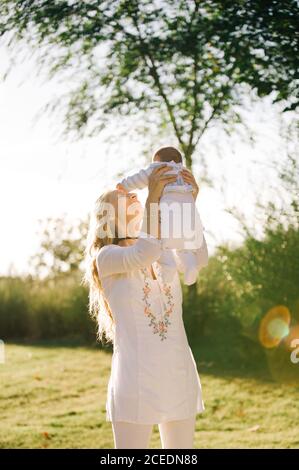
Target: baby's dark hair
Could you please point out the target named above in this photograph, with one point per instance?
(166, 154)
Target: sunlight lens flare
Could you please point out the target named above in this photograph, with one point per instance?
(274, 326)
(292, 339)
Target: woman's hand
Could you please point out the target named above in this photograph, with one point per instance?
(157, 181)
(120, 187)
(189, 178)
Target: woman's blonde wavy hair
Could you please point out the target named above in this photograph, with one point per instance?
(98, 305)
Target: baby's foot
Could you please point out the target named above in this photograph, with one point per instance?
(190, 276)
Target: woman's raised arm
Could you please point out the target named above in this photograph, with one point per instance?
(113, 259)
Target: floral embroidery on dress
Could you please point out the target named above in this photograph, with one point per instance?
(159, 326)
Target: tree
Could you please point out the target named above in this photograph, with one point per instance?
(61, 248)
(178, 65)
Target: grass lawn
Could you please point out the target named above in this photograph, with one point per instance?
(54, 397)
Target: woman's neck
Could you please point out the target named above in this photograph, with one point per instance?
(126, 241)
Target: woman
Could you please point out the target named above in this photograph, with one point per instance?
(153, 378)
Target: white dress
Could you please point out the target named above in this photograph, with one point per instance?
(153, 378)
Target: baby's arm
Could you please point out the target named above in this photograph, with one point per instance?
(136, 181)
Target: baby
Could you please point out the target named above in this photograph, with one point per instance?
(184, 231)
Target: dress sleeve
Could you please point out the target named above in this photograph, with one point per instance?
(113, 259)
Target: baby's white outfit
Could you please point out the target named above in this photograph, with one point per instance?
(181, 226)
(153, 378)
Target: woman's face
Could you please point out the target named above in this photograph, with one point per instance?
(128, 212)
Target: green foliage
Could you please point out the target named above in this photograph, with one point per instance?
(236, 290)
(178, 65)
(52, 308)
(61, 248)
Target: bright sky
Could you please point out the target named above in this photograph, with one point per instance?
(40, 177)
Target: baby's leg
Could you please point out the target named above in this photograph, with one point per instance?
(168, 265)
(189, 263)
